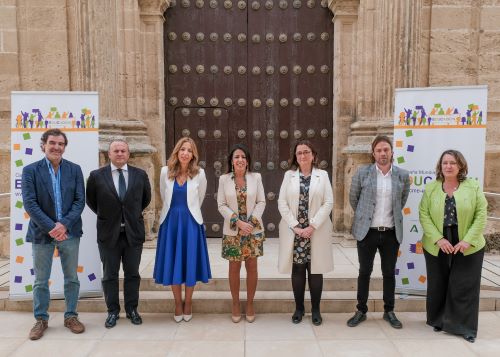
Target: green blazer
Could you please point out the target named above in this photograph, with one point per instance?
(471, 215)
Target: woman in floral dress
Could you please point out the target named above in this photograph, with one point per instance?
(241, 202)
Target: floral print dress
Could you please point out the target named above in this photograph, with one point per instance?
(302, 246)
(239, 248)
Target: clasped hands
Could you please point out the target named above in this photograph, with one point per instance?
(59, 232)
(448, 248)
(245, 228)
(304, 232)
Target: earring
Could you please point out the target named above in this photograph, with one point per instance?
(232, 167)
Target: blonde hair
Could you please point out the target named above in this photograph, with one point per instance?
(174, 165)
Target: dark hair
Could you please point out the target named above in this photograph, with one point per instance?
(379, 139)
(243, 148)
(53, 132)
(292, 162)
(461, 162)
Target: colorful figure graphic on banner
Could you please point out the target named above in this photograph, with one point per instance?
(452, 116)
(34, 119)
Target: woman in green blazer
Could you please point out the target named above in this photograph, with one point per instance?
(453, 217)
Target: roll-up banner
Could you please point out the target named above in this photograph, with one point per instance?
(427, 121)
(75, 113)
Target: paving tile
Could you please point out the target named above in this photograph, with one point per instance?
(335, 327)
(289, 348)
(211, 327)
(414, 326)
(155, 327)
(131, 348)
(207, 348)
(55, 348)
(9, 345)
(275, 327)
(433, 347)
(356, 348)
(489, 325)
(485, 348)
(16, 324)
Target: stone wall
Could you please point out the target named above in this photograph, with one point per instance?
(116, 48)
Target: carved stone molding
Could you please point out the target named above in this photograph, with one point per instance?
(134, 131)
(153, 7)
(344, 7)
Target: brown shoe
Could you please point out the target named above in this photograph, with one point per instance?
(74, 325)
(38, 329)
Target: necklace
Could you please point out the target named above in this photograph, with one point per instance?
(181, 179)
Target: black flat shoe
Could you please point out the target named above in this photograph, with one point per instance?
(297, 316)
(469, 338)
(111, 320)
(358, 318)
(316, 318)
(437, 329)
(134, 317)
(391, 318)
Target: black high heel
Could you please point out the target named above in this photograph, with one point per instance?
(297, 316)
(469, 338)
(316, 318)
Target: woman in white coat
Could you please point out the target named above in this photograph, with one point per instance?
(241, 202)
(181, 253)
(305, 203)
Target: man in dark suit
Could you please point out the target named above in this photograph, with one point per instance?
(118, 193)
(378, 194)
(54, 197)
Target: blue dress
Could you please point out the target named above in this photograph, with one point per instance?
(181, 252)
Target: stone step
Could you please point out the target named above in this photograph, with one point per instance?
(264, 284)
(265, 302)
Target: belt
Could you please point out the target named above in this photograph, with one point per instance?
(382, 229)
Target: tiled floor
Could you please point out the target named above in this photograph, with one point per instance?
(270, 335)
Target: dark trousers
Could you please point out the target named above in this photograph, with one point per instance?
(130, 257)
(388, 247)
(315, 282)
(453, 284)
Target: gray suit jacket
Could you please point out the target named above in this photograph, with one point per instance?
(362, 197)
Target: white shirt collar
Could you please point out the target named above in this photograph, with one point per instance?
(389, 173)
(114, 168)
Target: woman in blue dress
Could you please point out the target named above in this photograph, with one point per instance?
(181, 253)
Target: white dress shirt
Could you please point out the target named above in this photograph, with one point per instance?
(116, 176)
(382, 216)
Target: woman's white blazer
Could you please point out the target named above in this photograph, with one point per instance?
(196, 188)
(320, 207)
(228, 203)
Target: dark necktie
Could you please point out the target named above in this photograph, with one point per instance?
(122, 187)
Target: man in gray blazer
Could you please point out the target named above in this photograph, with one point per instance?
(378, 194)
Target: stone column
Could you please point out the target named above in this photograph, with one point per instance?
(153, 94)
(386, 53)
(9, 81)
(345, 17)
(105, 53)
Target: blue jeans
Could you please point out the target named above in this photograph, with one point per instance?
(42, 264)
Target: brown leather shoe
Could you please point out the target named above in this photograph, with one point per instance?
(38, 329)
(74, 325)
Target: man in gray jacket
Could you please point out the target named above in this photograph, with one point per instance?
(378, 194)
